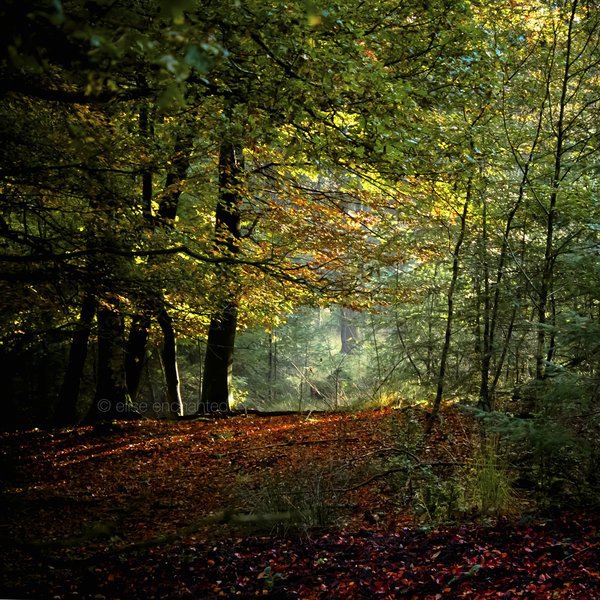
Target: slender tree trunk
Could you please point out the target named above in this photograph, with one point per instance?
(479, 349)
(169, 355)
(66, 410)
(167, 212)
(135, 353)
(504, 352)
(201, 374)
(430, 341)
(450, 316)
(546, 286)
(348, 332)
(485, 400)
(217, 392)
(303, 373)
(492, 310)
(407, 352)
(275, 364)
(146, 133)
(552, 340)
(376, 348)
(272, 367)
(150, 380)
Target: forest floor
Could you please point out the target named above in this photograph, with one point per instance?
(343, 505)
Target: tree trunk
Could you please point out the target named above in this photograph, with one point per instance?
(169, 355)
(450, 316)
(376, 348)
(272, 367)
(217, 392)
(348, 332)
(485, 400)
(492, 304)
(66, 410)
(112, 400)
(135, 354)
(167, 212)
(547, 283)
(146, 133)
(217, 386)
(430, 337)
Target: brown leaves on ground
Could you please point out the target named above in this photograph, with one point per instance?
(285, 506)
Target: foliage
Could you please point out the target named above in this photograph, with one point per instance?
(412, 214)
(555, 450)
(491, 484)
(303, 501)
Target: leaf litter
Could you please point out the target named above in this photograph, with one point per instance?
(283, 506)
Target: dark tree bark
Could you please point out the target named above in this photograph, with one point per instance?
(146, 133)
(66, 410)
(135, 355)
(139, 331)
(217, 386)
(169, 356)
(167, 212)
(180, 163)
(138, 335)
(112, 400)
(217, 390)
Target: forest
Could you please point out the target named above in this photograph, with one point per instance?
(300, 298)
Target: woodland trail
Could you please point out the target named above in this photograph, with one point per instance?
(284, 506)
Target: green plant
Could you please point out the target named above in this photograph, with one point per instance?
(556, 451)
(270, 579)
(438, 500)
(301, 501)
(490, 486)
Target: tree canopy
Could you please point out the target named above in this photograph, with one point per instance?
(183, 171)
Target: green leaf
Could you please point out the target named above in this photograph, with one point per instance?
(175, 9)
(197, 58)
(171, 97)
(58, 16)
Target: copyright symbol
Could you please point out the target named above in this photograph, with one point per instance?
(104, 405)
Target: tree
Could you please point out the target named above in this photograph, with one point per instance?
(217, 392)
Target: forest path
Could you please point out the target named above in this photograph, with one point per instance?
(287, 506)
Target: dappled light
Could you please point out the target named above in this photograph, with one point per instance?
(299, 299)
